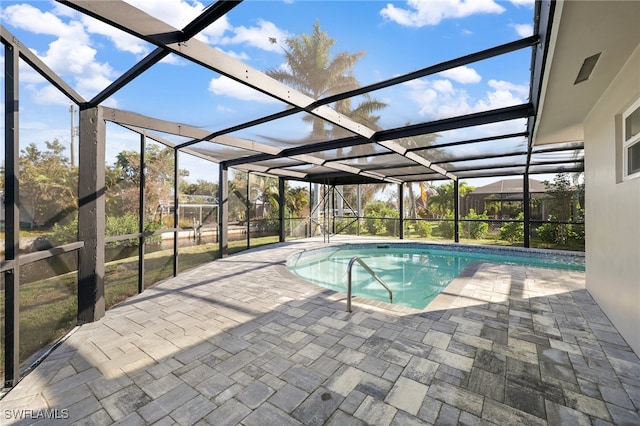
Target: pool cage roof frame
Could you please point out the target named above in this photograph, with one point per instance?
(308, 162)
(385, 158)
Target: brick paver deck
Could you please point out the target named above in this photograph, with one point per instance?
(243, 341)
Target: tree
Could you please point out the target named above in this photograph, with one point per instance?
(265, 190)
(562, 197)
(564, 200)
(419, 141)
(48, 184)
(297, 200)
(442, 201)
(314, 72)
(201, 187)
(202, 191)
(123, 181)
(238, 196)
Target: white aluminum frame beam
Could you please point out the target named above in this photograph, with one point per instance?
(127, 18)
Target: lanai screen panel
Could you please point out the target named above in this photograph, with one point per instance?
(247, 70)
(220, 152)
(477, 150)
(380, 162)
(291, 131)
(478, 86)
(356, 151)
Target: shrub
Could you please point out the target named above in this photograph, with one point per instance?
(347, 225)
(63, 234)
(391, 222)
(478, 228)
(559, 233)
(513, 231)
(422, 228)
(446, 227)
(374, 212)
(373, 226)
(115, 225)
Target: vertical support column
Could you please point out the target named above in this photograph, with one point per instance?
(281, 198)
(325, 208)
(333, 205)
(401, 208)
(223, 211)
(456, 211)
(314, 208)
(176, 185)
(311, 207)
(12, 218)
(526, 206)
(248, 212)
(359, 206)
(142, 213)
(91, 215)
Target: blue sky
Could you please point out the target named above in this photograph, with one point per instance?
(398, 37)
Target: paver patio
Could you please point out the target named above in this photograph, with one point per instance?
(243, 341)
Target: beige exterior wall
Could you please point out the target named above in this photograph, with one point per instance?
(613, 209)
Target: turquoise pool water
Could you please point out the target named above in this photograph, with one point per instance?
(416, 273)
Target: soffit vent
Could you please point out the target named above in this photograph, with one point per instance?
(587, 68)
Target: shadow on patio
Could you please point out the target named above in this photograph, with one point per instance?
(242, 340)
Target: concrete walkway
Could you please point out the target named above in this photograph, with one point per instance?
(243, 341)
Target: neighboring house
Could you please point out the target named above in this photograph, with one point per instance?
(503, 199)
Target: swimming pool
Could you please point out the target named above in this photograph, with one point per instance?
(415, 272)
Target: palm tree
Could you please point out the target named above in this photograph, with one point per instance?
(265, 190)
(418, 141)
(442, 200)
(297, 200)
(314, 72)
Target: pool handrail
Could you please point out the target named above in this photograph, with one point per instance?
(370, 271)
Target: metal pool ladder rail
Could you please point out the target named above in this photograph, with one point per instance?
(370, 271)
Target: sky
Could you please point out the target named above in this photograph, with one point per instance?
(396, 38)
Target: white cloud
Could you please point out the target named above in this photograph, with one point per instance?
(49, 95)
(173, 59)
(523, 30)
(528, 3)
(121, 40)
(29, 75)
(70, 55)
(520, 89)
(462, 75)
(265, 36)
(443, 86)
(176, 13)
(31, 19)
(420, 12)
(241, 56)
(498, 99)
(436, 99)
(225, 86)
(214, 32)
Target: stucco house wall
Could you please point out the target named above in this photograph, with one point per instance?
(613, 208)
